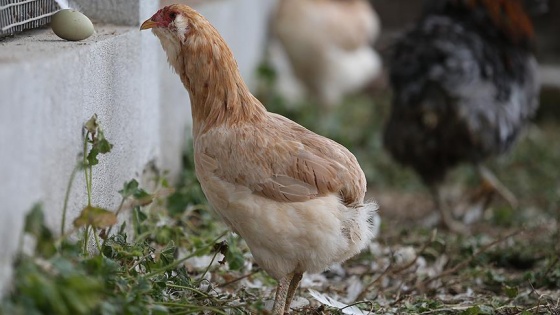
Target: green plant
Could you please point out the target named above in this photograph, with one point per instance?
(169, 257)
(136, 270)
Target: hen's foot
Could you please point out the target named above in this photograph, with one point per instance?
(490, 184)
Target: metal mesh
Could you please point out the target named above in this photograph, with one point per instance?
(19, 15)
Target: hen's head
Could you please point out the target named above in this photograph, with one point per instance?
(510, 16)
(201, 58)
(175, 22)
(507, 19)
(194, 47)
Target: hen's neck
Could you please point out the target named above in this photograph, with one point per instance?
(217, 91)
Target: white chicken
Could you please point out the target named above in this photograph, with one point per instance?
(324, 48)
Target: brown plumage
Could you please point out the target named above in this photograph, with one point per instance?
(295, 197)
(509, 16)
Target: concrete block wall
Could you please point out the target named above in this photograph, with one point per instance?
(50, 87)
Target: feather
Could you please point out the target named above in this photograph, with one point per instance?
(329, 301)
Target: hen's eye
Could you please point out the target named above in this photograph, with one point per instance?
(173, 15)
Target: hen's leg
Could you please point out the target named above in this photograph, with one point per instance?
(490, 184)
(281, 294)
(446, 219)
(292, 290)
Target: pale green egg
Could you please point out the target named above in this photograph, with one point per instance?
(71, 25)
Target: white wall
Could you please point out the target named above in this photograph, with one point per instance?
(50, 87)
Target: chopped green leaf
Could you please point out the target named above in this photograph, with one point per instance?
(129, 188)
(474, 310)
(34, 220)
(511, 292)
(95, 217)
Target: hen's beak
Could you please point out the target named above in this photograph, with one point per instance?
(148, 24)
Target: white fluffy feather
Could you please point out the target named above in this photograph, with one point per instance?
(287, 236)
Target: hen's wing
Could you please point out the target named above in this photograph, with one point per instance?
(282, 161)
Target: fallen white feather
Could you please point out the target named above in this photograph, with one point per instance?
(299, 302)
(354, 288)
(345, 309)
(404, 256)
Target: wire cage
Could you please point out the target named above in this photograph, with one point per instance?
(19, 15)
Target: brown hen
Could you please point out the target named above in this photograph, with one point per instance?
(295, 197)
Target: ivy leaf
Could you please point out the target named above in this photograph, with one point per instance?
(143, 198)
(35, 225)
(234, 258)
(96, 217)
(129, 188)
(102, 144)
(99, 147)
(34, 220)
(92, 157)
(140, 194)
(45, 243)
(164, 235)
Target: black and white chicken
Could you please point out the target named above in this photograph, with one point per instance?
(465, 84)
